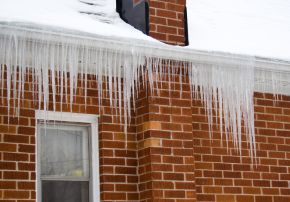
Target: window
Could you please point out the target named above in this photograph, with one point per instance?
(135, 13)
(67, 168)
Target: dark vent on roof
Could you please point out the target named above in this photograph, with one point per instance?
(135, 13)
(186, 42)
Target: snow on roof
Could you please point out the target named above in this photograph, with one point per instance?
(248, 27)
(92, 16)
(252, 27)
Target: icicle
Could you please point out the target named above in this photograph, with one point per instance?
(227, 91)
(52, 74)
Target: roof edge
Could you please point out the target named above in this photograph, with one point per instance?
(271, 75)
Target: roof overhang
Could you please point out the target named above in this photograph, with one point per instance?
(271, 75)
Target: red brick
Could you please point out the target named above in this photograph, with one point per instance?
(205, 197)
(222, 166)
(27, 113)
(162, 185)
(162, 167)
(212, 174)
(231, 159)
(277, 169)
(114, 196)
(172, 159)
(26, 166)
(26, 130)
(166, 14)
(233, 190)
(16, 138)
(264, 199)
(7, 185)
(173, 176)
(185, 185)
(7, 147)
(212, 189)
(270, 191)
(172, 143)
(113, 178)
(285, 176)
(244, 198)
(223, 182)
(279, 183)
(166, 29)
(7, 129)
(26, 148)
(251, 175)
(242, 182)
(270, 176)
(285, 191)
(212, 158)
(15, 157)
(125, 170)
(157, 4)
(285, 148)
(126, 187)
(281, 198)
(283, 133)
(7, 165)
(15, 175)
(26, 185)
(16, 194)
(251, 190)
(184, 168)
(229, 174)
(174, 194)
(16, 121)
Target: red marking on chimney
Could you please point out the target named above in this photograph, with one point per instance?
(137, 2)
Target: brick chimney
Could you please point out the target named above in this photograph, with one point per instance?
(167, 21)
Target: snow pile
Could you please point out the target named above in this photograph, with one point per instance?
(251, 27)
(92, 16)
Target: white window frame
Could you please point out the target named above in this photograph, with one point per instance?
(90, 119)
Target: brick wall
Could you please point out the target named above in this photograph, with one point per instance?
(17, 152)
(168, 156)
(118, 163)
(222, 175)
(165, 153)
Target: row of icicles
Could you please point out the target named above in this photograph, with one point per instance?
(226, 91)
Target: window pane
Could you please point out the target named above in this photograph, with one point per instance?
(64, 151)
(134, 13)
(65, 191)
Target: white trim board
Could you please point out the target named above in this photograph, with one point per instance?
(66, 116)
